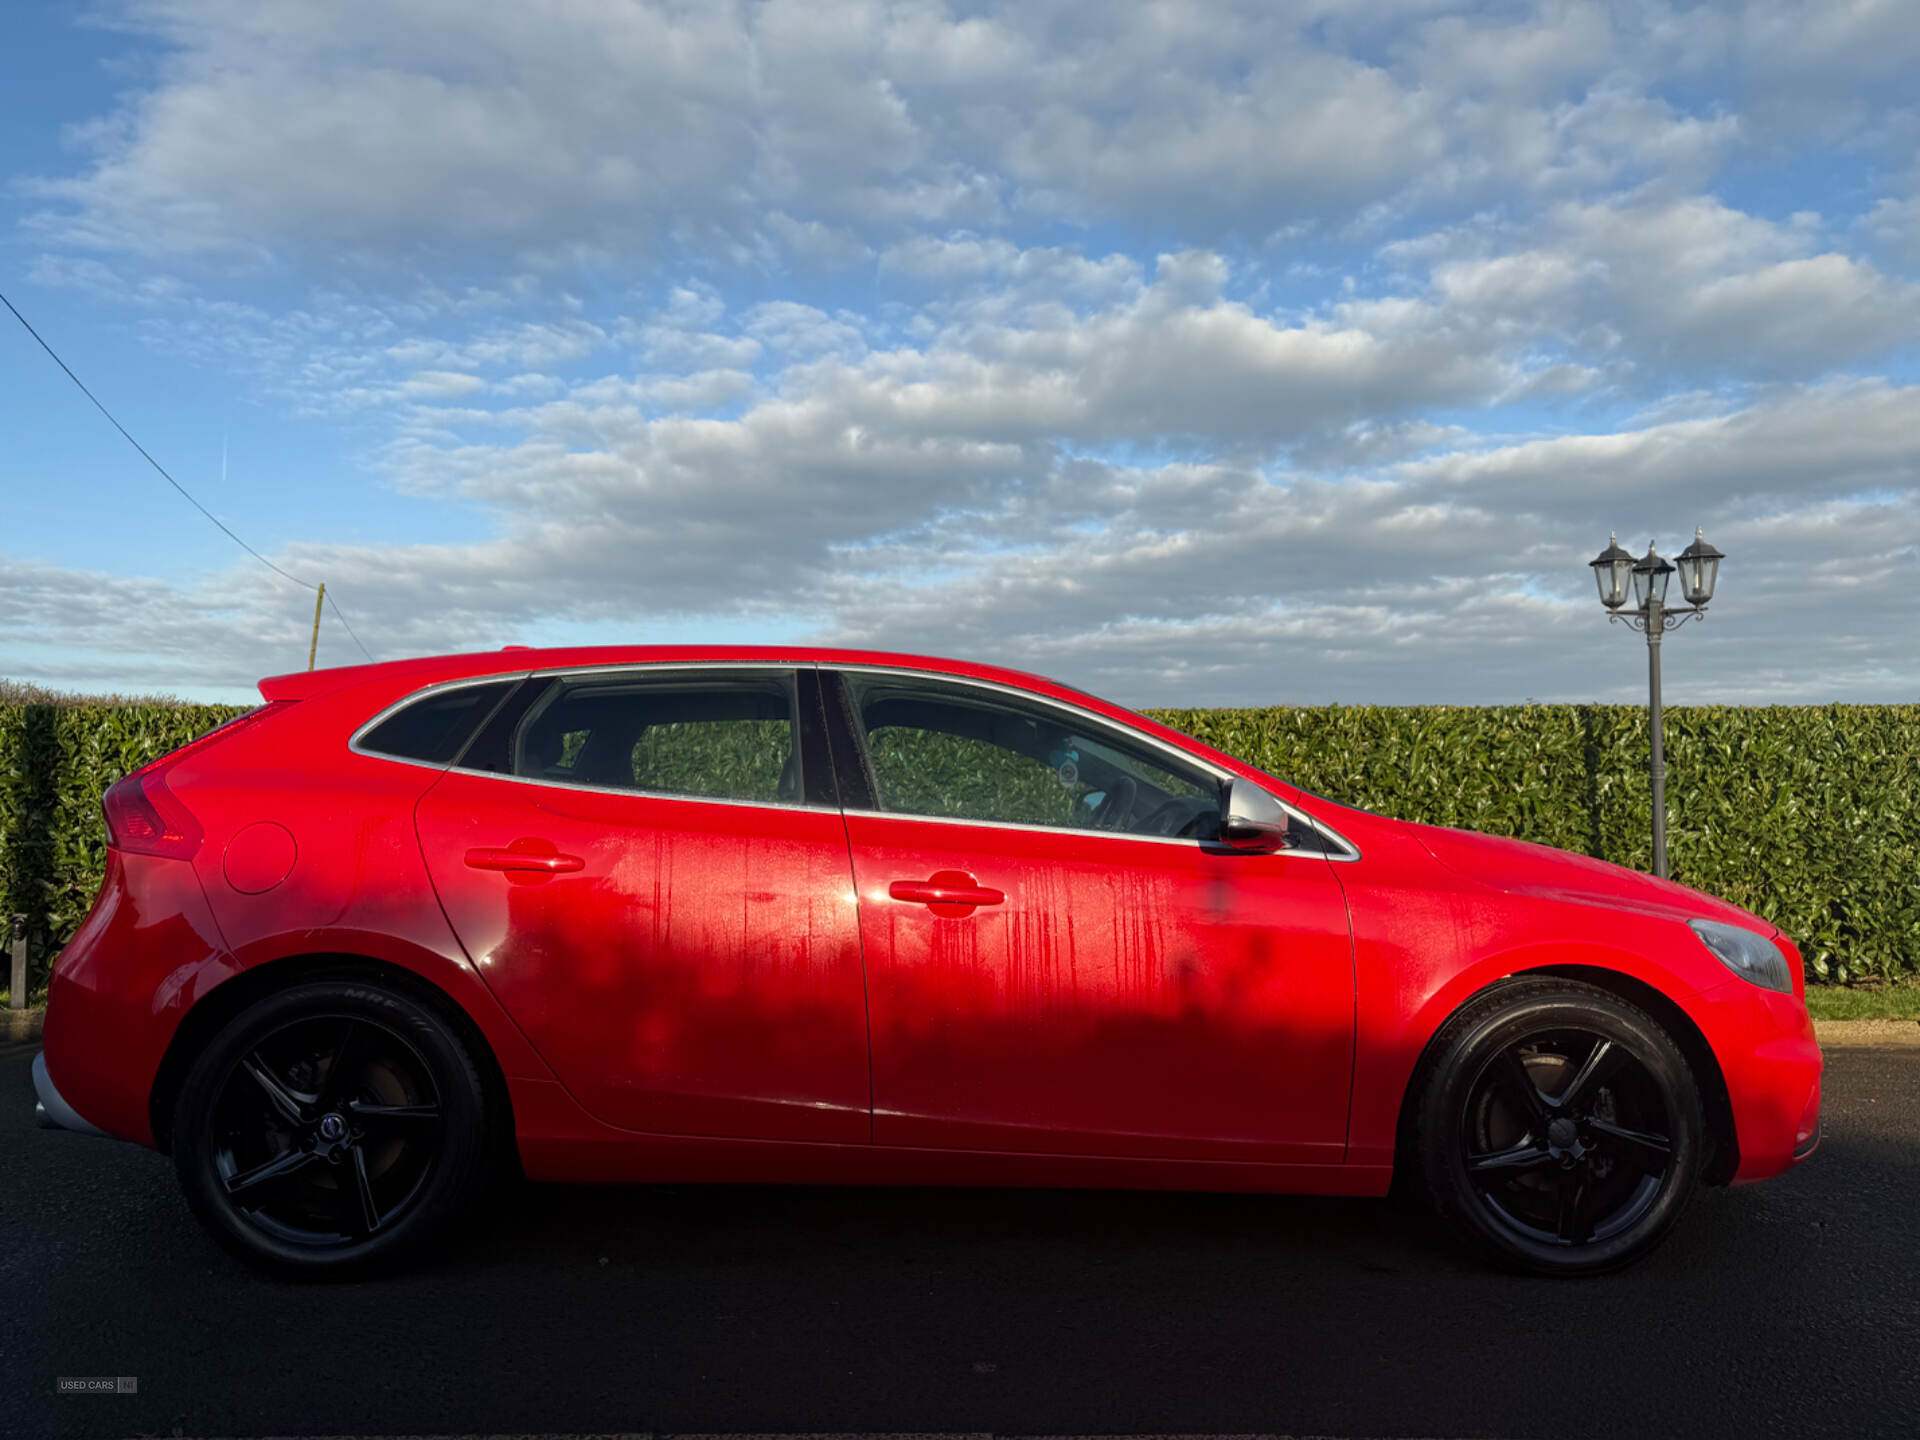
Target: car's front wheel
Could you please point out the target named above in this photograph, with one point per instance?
(1559, 1129)
(332, 1128)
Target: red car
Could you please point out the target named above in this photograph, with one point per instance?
(761, 915)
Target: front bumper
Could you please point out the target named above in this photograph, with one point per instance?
(1771, 1062)
(51, 1109)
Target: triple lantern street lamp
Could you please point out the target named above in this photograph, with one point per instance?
(1617, 571)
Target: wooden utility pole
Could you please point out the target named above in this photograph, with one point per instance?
(313, 648)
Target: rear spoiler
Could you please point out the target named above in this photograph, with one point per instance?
(305, 684)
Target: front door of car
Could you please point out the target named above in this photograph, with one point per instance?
(1060, 959)
(644, 869)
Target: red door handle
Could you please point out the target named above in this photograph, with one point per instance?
(949, 892)
(513, 858)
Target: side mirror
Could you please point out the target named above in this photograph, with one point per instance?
(1251, 819)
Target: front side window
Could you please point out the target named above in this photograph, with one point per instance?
(962, 753)
(721, 737)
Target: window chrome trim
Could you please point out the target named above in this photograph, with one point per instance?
(1350, 851)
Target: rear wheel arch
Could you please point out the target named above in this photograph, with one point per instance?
(1724, 1156)
(211, 1013)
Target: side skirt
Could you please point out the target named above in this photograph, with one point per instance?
(660, 1159)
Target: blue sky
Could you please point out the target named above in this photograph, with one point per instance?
(1216, 353)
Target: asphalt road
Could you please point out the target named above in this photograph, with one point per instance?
(1789, 1308)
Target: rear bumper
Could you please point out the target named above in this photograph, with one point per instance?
(52, 1109)
(118, 990)
(1772, 1064)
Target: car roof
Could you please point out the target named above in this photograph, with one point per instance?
(516, 659)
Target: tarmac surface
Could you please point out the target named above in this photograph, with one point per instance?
(1787, 1308)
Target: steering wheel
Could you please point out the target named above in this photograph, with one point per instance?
(1116, 806)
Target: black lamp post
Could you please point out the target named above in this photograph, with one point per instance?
(1615, 570)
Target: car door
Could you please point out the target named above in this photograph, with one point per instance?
(1060, 959)
(650, 872)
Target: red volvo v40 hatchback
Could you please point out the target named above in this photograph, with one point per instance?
(784, 915)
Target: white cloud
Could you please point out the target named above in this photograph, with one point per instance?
(1685, 281)
(440, 385)
(1894, 222)
(792, 329)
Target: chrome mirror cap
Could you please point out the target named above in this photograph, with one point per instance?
(1251, 819)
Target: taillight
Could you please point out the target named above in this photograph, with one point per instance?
(144, 817)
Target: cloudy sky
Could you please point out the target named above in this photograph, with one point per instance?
(1222, 351)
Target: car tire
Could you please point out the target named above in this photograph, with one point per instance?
(333, 1129)
(1558, 1128)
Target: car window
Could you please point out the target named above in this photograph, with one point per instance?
(963, 753)
(434, 727)
(722, 737)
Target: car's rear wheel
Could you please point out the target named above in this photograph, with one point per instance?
(333, 1128)
(1560, 1129)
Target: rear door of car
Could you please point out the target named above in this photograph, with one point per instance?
(649, 868)
(1059, 961)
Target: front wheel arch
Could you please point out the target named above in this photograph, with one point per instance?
(227, 1000)
(1723, 1137)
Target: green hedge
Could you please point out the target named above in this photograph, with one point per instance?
(1806, 815)
(55, 760)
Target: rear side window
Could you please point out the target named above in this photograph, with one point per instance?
(435, 727)
(709, 737)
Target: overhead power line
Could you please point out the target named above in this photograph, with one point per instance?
(185, 494)
(334, 606)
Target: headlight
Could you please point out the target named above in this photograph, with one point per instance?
(1750, 956)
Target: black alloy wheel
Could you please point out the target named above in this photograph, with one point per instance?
(1547, 1143)
(1560, 1128)
(330, 1129)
